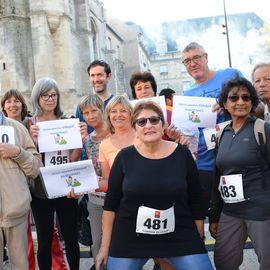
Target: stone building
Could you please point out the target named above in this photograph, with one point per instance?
(59, 39)
(168, 70)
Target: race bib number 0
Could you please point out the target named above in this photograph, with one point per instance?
(56, 158)
(231, 188)
(7, 134)
(153, 221)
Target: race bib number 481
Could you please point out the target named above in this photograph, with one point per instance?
(154, 221)
(231, 188)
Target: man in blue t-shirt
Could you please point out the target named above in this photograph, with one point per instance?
(208, 83)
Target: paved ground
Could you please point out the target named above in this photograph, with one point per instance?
(249, 262)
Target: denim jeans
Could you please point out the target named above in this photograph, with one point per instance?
(188, 262)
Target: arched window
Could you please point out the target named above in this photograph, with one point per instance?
(94, 37)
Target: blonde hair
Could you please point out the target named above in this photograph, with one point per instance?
(112, 103)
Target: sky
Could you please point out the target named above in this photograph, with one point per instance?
(153, 12)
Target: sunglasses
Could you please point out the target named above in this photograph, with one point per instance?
(154, 120)
(235, 98)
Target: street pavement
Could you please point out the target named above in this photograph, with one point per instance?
(250, 261)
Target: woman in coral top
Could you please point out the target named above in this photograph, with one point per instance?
(118, 117)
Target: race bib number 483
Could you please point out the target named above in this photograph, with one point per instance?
(231, 188)
(154, 221)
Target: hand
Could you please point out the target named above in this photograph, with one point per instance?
(83, 130)
(216, 108)
(213, 229)
(183, 140)
(173, 132)
(34, 130)
(103, 185)
(72, 195)
(102, 258)
(8, 150)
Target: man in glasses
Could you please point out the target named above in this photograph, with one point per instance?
(207, 84)
(261, 81)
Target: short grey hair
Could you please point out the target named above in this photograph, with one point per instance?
(41, 87)
(194, 46)
(260, 65)
(91, 100)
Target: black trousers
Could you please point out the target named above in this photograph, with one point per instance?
(206, 181)
(66, 210)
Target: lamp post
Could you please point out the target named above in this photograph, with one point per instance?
(227, 34)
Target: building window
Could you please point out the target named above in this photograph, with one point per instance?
(163, 70)
(118, 52)
(4, 66)
(110, 43)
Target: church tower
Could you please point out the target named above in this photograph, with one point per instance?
(16, 60)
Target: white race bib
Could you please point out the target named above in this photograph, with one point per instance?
(231, 188)
(210, 137)
(56, 158)
(7, 134)
(153, 221)
(210, 134)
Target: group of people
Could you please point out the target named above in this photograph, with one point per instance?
(153, 196)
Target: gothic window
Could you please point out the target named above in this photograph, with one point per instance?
(94, 37)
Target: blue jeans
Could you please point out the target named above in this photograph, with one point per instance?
(188, 262)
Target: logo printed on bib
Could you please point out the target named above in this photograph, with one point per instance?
(157, 214)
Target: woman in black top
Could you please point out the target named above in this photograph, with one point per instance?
(241, 197)
(153, 205)
(45, 99)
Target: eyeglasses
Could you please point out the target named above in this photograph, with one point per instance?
(154, 120)
(235, 98)
(46, 97)
(195, 59)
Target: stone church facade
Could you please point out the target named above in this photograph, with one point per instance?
(58, 39)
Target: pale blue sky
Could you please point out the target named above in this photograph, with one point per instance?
(153, 12)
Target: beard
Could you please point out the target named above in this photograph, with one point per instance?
(100, 90)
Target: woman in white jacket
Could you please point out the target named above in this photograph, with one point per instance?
(19, 159)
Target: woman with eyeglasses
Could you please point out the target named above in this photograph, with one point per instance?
(240, 204)
(153, 206)
(45, 99)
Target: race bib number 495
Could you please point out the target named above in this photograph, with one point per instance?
(56, 158)
(154, 221)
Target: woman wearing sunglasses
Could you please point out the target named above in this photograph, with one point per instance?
(153, 206)
(240, 205)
